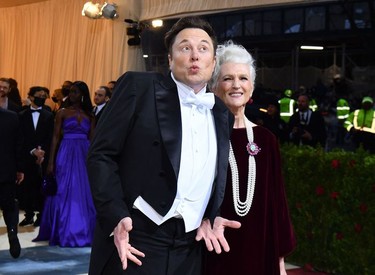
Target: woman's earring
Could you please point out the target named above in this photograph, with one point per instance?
(82, 99)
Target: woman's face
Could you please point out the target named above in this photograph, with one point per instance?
(75, 94)
(234, 85)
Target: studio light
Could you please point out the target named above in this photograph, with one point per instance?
(95, 11)
(316, 48)
(134, 31)
(91, 10)
(109, 11)
(157, 23)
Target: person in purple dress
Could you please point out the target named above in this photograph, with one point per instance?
(254, 194)
(69, 216)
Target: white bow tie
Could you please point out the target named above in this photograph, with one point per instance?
(202, 102)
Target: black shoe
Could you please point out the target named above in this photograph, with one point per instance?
(26, 221)
(37, 221)
(14, 245)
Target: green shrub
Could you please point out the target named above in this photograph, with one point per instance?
(331, 197)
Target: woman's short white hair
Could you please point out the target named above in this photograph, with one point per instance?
(234, 53)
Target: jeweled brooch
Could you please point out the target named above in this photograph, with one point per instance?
(252, 148)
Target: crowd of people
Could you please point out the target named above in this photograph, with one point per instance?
(153, 176)
(328, 120)
(49, 139)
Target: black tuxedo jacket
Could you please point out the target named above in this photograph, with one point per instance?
(98, 115)
(10, 146)
(41, 136)
(13, 106)
(316, 128)
(136, 151)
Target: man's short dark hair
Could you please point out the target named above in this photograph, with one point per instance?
(185, 23)
(4, 79)
(33, 90)
(107, 91)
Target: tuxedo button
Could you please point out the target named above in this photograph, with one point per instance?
(162, 174)
(155, 143)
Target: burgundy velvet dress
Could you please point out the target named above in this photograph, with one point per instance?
(266, 232)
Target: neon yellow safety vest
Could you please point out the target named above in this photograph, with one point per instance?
(361, 120)
(312, 105)
(286, 108)
(342, 109)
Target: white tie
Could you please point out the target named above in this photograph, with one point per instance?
(202, 102)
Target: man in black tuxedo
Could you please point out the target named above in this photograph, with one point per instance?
(305, 126)
(158, 162)
(101, 97)
(10, 175)
(37, 127)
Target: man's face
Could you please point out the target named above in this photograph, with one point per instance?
(37, 96)
(99, 96)
(4, 88)
(111, 85)
(303, 103)
(192, 60)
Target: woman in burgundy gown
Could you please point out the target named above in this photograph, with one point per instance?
(255, 194)
(69, 216)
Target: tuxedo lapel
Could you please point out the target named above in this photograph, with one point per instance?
(223, 130)
(30, 121)
(41, 123)
(169, 117)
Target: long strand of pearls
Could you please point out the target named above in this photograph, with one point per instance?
(242, 208)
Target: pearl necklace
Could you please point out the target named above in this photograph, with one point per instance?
(242, 208)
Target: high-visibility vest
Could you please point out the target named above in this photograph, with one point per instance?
(342, 109)
(286, 108)
(313, 105)
(361, 120)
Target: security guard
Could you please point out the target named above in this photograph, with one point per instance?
(361, 124)
(287, 105)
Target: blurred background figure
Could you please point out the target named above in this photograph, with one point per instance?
(57, 98)
(14, 93)
(111, 85)
(65, 89)
(273, 122)
(101, 97)
(361, 125)
(5, 102)
(287, 105)
(306, 127)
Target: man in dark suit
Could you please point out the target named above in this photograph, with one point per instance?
(101, 97)
(305, 126)
(37, 127)
(65, 89)
(158, 162)
(10, 175)
(5, 102)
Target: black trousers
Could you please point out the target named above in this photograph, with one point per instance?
(168, 249)
(29, 192)
(9, 205)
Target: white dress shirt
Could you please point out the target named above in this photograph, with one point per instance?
(35, 116)
(98, 108)
(197, 166)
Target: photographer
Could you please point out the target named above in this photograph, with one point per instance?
(305, 126)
